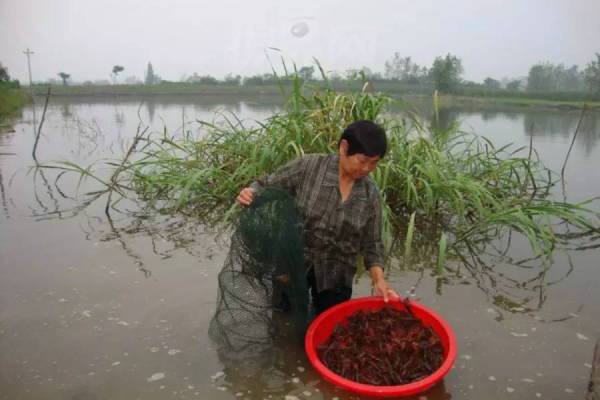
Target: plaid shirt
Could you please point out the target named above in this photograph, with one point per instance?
(335, 232)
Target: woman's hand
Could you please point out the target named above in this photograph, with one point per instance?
(246, 196)
(380, 285)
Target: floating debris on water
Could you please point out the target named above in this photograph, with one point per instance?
(295, 380)
(172, 352)
(569, 390)
(217, 375)
(86, 313)
(124, 323)
(516, 334)
(528, 380)
(581, 337)
(154, 349)
(465, 357)
(587, 365)
(156, 377)
(509, 389)
(307, 393)
(492, 378)
(301, 369)
(290, 397)
(116, 363)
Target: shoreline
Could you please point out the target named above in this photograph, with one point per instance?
(274, 92)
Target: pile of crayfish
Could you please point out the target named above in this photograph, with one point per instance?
(386, 347)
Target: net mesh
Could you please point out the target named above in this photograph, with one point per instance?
(262, 287)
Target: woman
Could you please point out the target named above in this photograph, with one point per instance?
(341, 207)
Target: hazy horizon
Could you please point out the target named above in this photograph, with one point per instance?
(493, 38)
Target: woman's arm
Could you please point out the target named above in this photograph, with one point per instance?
(372, 250)
(288, 178)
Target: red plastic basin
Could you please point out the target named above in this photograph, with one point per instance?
(320, 330)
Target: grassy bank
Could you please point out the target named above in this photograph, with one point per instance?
(163, 89)
(513, 102)
(12, 99)
(273, 90)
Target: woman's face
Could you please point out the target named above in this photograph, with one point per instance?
(356, 166)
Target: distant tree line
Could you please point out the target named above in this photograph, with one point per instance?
(444, 74)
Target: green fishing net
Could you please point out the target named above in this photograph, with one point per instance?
(262, 291)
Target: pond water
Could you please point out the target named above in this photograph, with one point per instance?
(92, 308)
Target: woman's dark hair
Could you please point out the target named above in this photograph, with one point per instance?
(365, 137)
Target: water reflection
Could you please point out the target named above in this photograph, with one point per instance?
(538, 123)
(564, 126)
(151, 107)
(499, 276)
(3, 197)
(512, 283)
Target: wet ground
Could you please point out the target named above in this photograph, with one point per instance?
(92, 308)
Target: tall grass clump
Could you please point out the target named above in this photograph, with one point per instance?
(440, 186)
(12, 99)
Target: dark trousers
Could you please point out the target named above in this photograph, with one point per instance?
(328, 298)
(321, 301)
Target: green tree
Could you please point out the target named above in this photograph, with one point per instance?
(592, 74)
(491, 83)
(65, 77)
(404, 69)
(514, 85)
(548, 77)
(211, 80)
(363, 73)
(4, 77)
(193, 78)
(571, 79)
(446, 73)
(306, 73)
(540, 78)
(233, 80)
(115, 71)
(151, 78)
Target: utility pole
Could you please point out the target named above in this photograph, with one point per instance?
(28, 53)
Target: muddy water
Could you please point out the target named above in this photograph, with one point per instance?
(92, 308)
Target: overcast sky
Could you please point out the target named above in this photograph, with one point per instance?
(495, 38)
